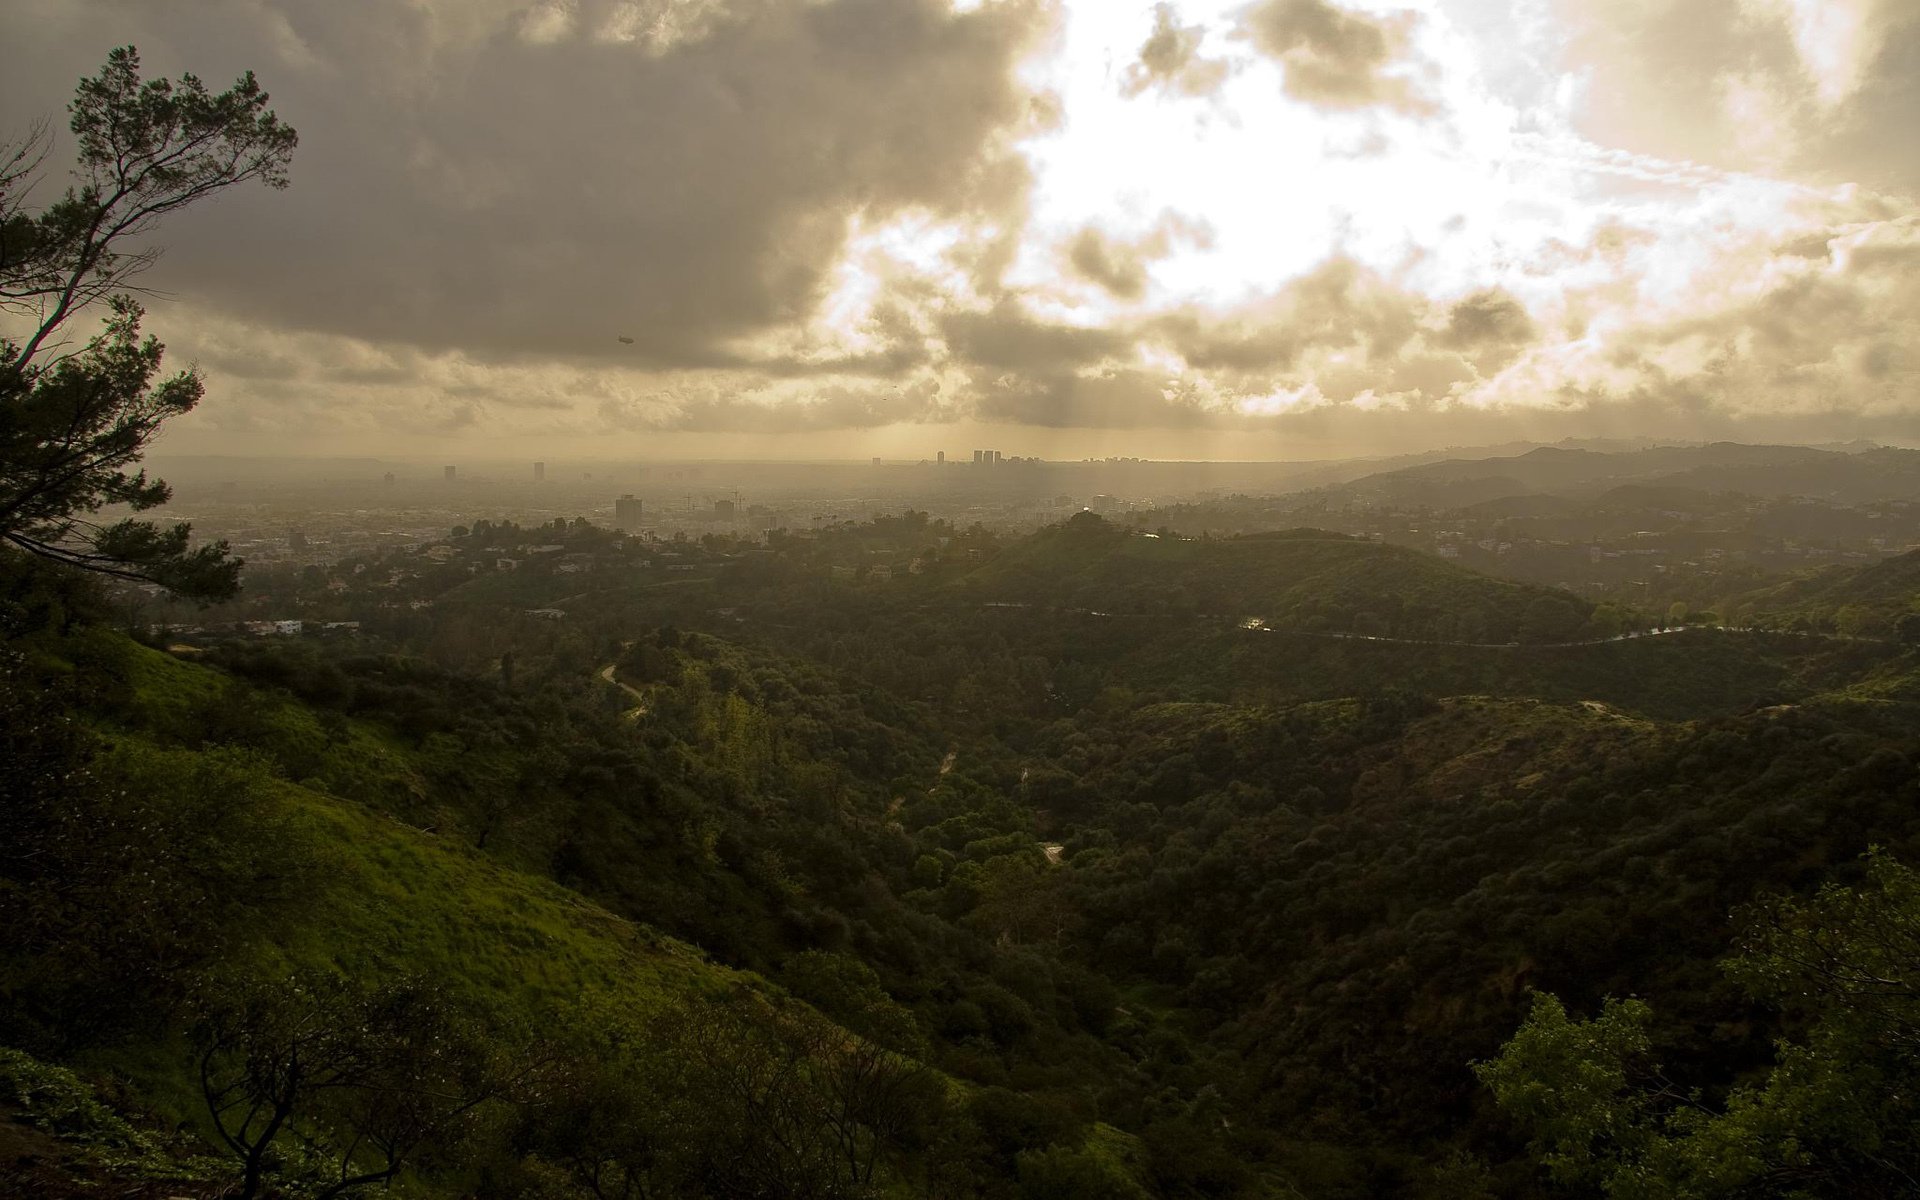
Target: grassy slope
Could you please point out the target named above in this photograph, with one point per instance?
(1889, 588)
(511, 948)
(503, 943)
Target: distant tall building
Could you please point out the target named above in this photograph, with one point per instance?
(446, 473)
(626, 513)
(539, 472)
(876, 460)
(940, 456)
(996, 455)
(723, 509)
(979, 456)
(389, 479)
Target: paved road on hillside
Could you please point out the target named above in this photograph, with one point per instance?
(639, 708)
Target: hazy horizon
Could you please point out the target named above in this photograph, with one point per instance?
(521, 465)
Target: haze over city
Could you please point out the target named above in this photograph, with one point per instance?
(1277, 230)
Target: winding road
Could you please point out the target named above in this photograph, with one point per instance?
(639, 708)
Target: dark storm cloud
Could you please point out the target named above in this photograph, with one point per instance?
(517, 181)
(1336, 58)
(1487, 317)
(1120, 266)
(1109, 399)
(1490, 327)
(1113, 265)
(1337, 305)
(1170, 60)
(1008, 338)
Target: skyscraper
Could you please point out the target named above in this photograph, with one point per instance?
(626, 513)
(446, 473)
(539, 472)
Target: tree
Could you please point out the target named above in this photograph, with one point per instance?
(1837, 1115)
(74, 423)
(336, 1085)
(1859, 621)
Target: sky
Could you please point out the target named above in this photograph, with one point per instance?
(829, 229)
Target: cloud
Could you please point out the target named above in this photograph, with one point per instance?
(838, 407)
(1340, 334)
(819, 215)
(1778, 329)
(1007, 338)
(1489, 316)
(1114, 398)
(1170, 60)
(1490, 327)
(1869, 135)
(1336, 58)
(534, 181)
(1113, 265)
(1341, 305)
(1825, 90)
(1119, 266)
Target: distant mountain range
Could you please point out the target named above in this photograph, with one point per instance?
(1847, 476)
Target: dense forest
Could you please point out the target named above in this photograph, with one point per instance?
(791, 876)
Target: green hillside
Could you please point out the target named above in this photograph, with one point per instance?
(1301, 579)
(1864, 601)
(1359, 894)
(178, 896)
(1110, 891)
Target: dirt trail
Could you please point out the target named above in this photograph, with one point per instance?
(639, 708)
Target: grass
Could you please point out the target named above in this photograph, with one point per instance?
(406, 900)
(513, 950)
